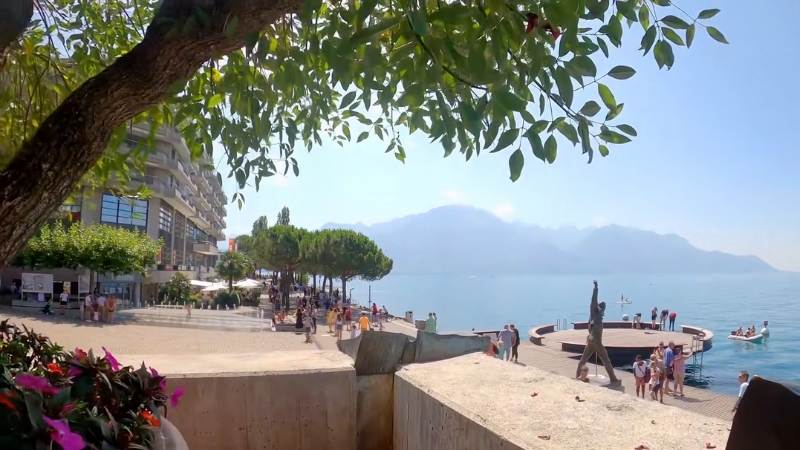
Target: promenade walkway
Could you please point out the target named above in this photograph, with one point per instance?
(701, 401)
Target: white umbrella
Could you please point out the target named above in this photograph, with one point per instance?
(247, 283)
(201, 283)
(214, 287)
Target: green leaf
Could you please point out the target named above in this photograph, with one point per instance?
(477, 62)
(510, 101)
(707, 14)
(606, 96)
(649, 39)
(363, 136)
(515, 164)
(627, 129)
(663, 53)
(564, 84)
(614, 31)
(569, 132)
(626, 9)
(583, 65)
(214, 100)
(230, 29)
(603, 150)
(621, 72)
(551, 149)
(368, 33)
(674, 22)
(347, 99)
(716, 35)
(690, 35)
(506, 139)
(591, 108)
(615, 112)
(613, 137)
(603, 46)
(536, 144)
(644, 17)
(418, 23)
(670, 34)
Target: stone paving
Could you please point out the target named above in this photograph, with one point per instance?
(133, 339)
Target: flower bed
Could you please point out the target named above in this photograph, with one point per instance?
(56, 399)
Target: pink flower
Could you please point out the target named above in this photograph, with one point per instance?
(35, 383)
(80, 353)
(163, 383)
(74, 371)
(67, 408)
(111, 360)
(176, 396)
(63, 436)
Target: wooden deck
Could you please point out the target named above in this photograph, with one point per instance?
(552, 359)
(621, 338)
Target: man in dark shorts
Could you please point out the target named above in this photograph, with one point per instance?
(515, 347)
(663, 323)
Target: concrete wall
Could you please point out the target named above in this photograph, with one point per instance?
(421, 422)
(302, 400)
(375, 411)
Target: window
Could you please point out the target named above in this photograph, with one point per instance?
(165, 219)
(124, 211)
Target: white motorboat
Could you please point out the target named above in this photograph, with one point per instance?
(755, 339)
(624, 302)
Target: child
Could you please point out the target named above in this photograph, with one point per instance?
(352, 329)
(501, 351)
(656, 381)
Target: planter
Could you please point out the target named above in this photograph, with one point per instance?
(168, 437)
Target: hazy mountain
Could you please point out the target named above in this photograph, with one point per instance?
(464, 240)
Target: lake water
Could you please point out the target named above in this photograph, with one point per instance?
(720, 303)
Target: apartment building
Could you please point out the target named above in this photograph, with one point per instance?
(186, 209)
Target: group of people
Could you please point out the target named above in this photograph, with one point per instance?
(507, 346)
(751, 331)
(95, 307)
(666, 364)
(662, 320)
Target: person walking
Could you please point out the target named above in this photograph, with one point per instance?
(744, 383)
(515, 347)
(679, 372)
(640, 374)
(669, 357)
(64, 301)
(507, 338)
(363, 322)
(88, 310)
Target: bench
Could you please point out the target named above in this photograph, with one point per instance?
(537, 334)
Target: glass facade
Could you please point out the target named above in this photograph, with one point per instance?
(128, 213)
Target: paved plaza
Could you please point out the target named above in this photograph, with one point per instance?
(133, 339)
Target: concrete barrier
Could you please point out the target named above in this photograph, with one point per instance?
(537, 334)
(303, 400)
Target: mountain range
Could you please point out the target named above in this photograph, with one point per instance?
(463, 240)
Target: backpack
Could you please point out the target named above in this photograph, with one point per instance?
(647, 375)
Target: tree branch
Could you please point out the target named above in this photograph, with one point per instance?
(15, 16)
(73, 138)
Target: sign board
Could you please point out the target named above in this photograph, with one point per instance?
(37, 282)
(231, 245)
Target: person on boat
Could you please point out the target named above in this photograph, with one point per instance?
(739, 332)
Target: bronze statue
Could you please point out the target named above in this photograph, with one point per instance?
(594, 342)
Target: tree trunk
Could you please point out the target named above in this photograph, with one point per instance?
(344, 289)
(73, 138)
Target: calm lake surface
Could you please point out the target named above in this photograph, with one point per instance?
(720, 303)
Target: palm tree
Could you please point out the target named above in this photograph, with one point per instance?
(232, 265)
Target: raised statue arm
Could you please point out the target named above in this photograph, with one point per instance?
(593, 309)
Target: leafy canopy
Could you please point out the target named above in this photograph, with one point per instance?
(177, 289)
(346, 254)
(101, 248)
(464, 74)
(233, 265)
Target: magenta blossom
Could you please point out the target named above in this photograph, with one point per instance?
(34, 383)
(63, 436)
(176, 396)
(74, 371)
(111, 360)
(67, 408)
(163, 383)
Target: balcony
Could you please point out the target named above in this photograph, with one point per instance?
(202, 203)
(201, 220)
(173, 195)
(206, 248)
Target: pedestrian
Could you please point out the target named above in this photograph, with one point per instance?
(506, 336)
(679, 371)
(744, 379)
(663, 323)
(307, 328)
(669, 357)
(339, 326)
(430, 324)
(640, 374)
(88, 309)
(314, 320)
(363, 322)
(515, 347)
(111, 307)
(64, 301)
(656, 382)
(653, 316)
(672, 317)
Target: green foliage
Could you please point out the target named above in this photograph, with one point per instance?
(262, 224)
(229, 299)
(280, 246)
(464, 74)
(283, 218)
(178, 289)
(346, 254)
(233, 265)
(102, 248)
(107, 406)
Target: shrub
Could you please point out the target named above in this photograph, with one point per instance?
(229, 299)
(55, 399)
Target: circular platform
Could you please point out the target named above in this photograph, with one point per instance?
(624, 344)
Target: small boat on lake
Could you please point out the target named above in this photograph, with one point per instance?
(757, 339)
(623, 300)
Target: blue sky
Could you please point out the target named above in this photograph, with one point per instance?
(716, 160)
